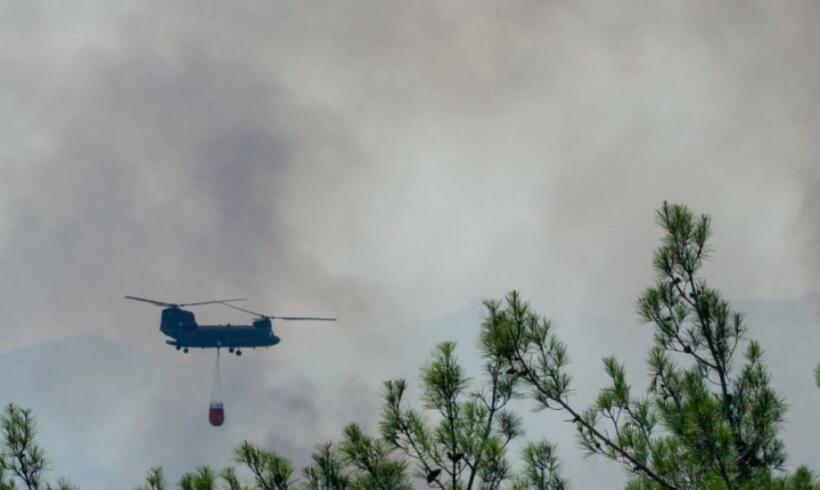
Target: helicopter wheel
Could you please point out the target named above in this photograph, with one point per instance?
(230, 349)
(238, 352)
(185, 350)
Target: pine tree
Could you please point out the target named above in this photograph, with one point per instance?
(467, 446)
(270, 470)
(328, 471)
(203, 479)
(359, 462)
(708, 421)
(155, 480)
(22, 460)
(541, 469)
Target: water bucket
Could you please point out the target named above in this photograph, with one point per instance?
(216, 414)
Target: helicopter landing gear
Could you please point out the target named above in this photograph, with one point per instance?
(230, 349)
(185, 350)
(238, 352)
(178, 347)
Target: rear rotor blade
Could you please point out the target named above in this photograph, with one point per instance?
(244, 310)
(260, 315)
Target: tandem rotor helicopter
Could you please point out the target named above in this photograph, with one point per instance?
(182, 327)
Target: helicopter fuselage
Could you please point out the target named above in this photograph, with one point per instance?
(181, 326)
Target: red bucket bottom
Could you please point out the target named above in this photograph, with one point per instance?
(216, 414)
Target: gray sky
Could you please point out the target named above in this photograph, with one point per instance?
(392, 161)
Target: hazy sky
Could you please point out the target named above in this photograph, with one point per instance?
(390, 161)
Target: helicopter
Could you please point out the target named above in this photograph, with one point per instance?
(186, 333)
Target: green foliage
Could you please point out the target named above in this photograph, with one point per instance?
(708, 420)
(360, 462)
(817, 375)
(203, 479)
(328, 471)
(270, 471)
(542, 469)
(6, 481)
(231, 479)
(728, 434)
(373, 468)
(155, 480)
(465, 445)
(62, 484)
(22, 460)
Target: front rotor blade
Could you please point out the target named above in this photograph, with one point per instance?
(153, 302)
